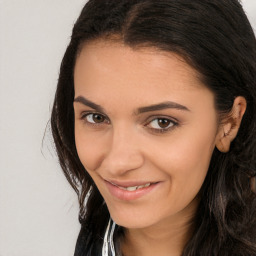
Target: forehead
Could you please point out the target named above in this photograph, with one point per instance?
(112, 68)
(105, 55)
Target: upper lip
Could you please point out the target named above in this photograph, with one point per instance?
(129, 183)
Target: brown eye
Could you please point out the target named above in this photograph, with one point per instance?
(97, 118)
(94, 118)
(164, 123)
(161, 123)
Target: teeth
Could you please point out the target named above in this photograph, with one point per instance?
(144, 186)
(131, 188)
(135, 187)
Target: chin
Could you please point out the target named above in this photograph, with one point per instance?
(133, 221)
(131, 224)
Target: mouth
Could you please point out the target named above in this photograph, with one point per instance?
(133, 188)
(127, 191)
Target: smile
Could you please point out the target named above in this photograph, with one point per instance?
(127, 191)
(134, 187)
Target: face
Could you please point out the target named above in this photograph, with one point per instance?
(145, 130)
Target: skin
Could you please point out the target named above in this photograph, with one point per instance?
(124, 147)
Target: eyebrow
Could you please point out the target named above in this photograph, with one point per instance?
(89, 103)
(155, 107)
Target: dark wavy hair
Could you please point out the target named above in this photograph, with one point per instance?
(215, 38)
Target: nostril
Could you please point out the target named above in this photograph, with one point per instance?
(119, 162)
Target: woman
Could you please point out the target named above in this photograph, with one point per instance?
(154, 124)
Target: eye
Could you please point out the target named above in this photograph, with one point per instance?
(93, 118)
(162, 124)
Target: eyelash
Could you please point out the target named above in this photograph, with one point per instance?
(161, 130)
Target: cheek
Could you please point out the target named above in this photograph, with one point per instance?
(185, 161)
(88, 147)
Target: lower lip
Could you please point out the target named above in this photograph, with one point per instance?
(129, 195)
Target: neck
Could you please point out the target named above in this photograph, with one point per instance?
(166, 238)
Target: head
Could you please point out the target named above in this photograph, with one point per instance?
(121, 141)
(125, 56)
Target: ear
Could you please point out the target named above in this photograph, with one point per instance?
(253, 184)
(229, 129)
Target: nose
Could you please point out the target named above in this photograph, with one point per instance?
(124, 153)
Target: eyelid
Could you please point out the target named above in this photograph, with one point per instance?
(84, 114)
(153, 117)
(162, 130)
(175, 122)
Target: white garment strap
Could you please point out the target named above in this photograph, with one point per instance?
(111, 239)
(108, 239)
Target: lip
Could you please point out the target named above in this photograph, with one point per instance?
(129, 183)
(126, 195)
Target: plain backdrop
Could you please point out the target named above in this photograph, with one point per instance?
(38, 208)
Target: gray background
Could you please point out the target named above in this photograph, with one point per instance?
(38, 209)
